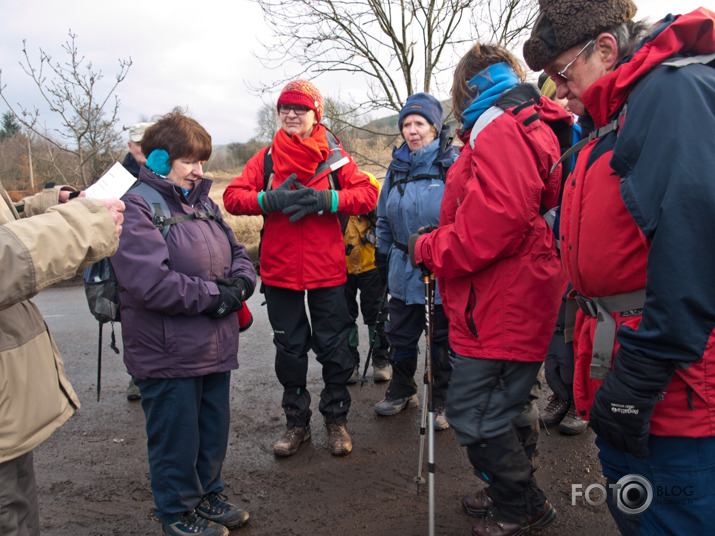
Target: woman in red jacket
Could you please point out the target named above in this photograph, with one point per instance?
(302, 249)
(500, 279)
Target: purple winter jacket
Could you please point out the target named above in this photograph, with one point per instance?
(168, 285)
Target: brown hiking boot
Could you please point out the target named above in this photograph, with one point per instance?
(339, 439)
(288, 444)
(477, 504)
(554, 411)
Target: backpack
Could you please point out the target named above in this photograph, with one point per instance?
(100, 282)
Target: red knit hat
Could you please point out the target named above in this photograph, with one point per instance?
(302, 93)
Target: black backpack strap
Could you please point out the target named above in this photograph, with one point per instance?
(268, 170)
(161, 215)
(413, 178)
(614, 125)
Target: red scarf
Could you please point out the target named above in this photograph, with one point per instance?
(291, 154)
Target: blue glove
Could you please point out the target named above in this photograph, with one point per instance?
(623, 405)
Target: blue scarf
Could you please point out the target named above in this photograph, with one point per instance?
(487, 86)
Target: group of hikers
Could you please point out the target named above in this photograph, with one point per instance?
(520, 230)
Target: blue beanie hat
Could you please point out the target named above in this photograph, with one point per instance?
(425, 105)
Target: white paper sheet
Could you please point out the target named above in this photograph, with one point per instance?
(113, 184)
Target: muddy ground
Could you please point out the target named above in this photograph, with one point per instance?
(93, 475)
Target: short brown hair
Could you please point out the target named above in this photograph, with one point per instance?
(179, 135)
(473, 62)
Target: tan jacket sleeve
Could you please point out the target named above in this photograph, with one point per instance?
(38, 252)
(41, 202)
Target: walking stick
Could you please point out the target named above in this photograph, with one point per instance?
(378, 320)
(99, 362)
(427, 418)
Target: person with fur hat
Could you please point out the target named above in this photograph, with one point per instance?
(299, 184)
(410, 199)
(636, 227)
(498, 269)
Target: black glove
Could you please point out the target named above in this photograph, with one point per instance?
(624, 403)
(282, 196)
(412, 242)
(381, 265)
(369, 237)
(240, 282)
(311, 200)
(229, 299)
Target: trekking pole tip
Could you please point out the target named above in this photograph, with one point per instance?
(419, 481)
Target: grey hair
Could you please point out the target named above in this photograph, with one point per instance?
(627, 35)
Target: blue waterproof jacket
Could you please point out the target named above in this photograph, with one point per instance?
(405, 207)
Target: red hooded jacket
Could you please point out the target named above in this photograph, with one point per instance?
(493, 253)
(637, 213)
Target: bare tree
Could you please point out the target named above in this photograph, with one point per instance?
(396, 47)
(88, 119)
(267, 123)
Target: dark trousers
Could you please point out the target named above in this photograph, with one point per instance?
(326, 334)
(371, 294)
(187, 422)
(491, 406)
(19, 514)
(407, 322)
(680, 470)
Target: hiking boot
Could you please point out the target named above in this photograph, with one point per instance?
(492, 527)
(477, 504)
(190, 524)
(355, 376)
(554, 411)
(213, 506)
(391, 407)
(440, 420)
(288, 444)
(339, 439)
(381, 374)
(133, 391)
(572, 424)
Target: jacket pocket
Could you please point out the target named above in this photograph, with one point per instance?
(469, 313)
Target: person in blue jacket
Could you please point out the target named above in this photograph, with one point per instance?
(410, 199)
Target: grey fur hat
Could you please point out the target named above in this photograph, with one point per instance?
(562, 24)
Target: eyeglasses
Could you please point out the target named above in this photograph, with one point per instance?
(299, 110)
(561, 75)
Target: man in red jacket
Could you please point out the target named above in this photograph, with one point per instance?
(636, 231)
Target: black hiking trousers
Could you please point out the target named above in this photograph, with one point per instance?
(491, 406)
(326, 333)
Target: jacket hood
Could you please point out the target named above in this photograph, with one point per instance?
(684, 35)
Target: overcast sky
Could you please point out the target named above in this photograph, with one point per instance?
(195, 54)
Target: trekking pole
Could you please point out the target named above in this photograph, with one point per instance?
(427, 403)
(378, 321)
(99, 362)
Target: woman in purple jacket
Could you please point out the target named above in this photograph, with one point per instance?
(180, 293)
